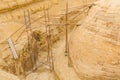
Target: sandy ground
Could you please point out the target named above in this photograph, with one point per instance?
(62, 68)
(7, 76)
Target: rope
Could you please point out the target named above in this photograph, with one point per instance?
(33, 22)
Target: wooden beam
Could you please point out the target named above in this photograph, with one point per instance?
(12, 48)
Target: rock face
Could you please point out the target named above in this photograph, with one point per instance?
(95, 45)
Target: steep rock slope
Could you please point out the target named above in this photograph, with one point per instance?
(95, 45)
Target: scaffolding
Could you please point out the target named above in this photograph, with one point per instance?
(27, 20)
(47, 23)
(48, 39)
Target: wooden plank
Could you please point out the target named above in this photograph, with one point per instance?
(12, 48)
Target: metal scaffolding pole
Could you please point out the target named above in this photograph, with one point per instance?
(66, 28)
(49, 42)
(67, 37)
(27, 21)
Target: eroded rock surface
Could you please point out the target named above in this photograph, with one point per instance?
(95, 45)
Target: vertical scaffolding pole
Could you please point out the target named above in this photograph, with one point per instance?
(27, 21)
(67, 41)
(66, 30)
(46, 28)
(48, 38)
(26, 26)
(33, 55)
(50, 43)
(45, 19)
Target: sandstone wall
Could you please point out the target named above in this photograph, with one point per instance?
(95, 44)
